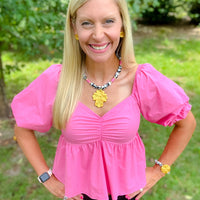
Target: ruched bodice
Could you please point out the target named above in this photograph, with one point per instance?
(115, 126)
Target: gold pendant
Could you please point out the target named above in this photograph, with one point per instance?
(99, 97)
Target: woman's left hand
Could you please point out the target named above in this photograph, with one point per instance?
(153, 175)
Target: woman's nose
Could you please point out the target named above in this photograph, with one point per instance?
(98, 33)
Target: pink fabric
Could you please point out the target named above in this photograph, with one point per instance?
(102, 155)
(32, 107)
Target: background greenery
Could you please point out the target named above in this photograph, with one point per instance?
(28, 42)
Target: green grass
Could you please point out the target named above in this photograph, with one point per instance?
(177, 59)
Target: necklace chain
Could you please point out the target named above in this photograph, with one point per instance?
(100, 96)
(103, 87)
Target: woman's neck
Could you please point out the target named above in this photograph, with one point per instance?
(101, 72)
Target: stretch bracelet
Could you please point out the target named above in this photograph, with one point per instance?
(164, 168)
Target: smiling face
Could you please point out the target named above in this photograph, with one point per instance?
(98, 25)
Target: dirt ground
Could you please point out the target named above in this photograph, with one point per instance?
(175, 32)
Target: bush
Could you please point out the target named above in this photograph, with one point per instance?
(159, 12)
(194, 12)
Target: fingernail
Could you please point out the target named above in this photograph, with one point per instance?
(127, 197)
(81, 197)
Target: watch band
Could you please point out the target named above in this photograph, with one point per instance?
(164, 168)
(45, 176)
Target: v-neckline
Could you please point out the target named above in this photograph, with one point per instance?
(106, 113)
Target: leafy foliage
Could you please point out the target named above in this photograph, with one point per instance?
(162, 11)
(32, 27)
(153, 11)
(158, 12)
(194, 12)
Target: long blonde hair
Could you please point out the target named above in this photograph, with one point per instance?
(70, 83)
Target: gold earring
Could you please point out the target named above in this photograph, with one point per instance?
(121, 34)
(76, 36)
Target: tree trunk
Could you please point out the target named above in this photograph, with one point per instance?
(4, 110)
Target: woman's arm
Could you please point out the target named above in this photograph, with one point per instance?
(178, 139)
(29, 145)
(177, 142)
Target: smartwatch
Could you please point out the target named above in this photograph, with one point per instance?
(45, 176)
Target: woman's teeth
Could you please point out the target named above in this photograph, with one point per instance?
(99, 47)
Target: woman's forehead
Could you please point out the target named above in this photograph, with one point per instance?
(98, 8)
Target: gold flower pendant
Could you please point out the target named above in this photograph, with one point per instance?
(99, 97)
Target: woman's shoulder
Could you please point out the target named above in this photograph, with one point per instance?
(148, 78)
(53, 69)
(146, 68)
(52, 73)
(148, 72)
(48, 78)
(133, 70)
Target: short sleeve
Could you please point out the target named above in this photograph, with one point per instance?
(32, 107)
(160, 99)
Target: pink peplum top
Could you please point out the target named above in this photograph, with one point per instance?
(103, 155)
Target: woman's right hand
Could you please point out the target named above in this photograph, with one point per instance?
(55, 187)
(58, 189)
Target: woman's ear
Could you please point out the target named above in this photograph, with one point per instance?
(73, 25)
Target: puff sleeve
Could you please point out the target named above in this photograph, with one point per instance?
(32, 107)
(160, 99)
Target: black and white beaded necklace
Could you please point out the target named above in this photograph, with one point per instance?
(99, 95)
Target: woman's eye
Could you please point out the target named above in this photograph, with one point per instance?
(109, 21)
(86, 23)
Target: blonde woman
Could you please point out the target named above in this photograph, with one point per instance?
(95, 98)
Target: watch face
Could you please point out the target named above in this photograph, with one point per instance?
(44, 177)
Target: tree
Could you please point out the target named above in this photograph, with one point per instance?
(33, 28)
